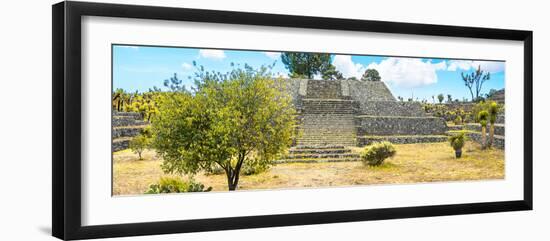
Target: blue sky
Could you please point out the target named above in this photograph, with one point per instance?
(141, 68)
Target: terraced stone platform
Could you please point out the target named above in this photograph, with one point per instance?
(473, 131)
(356, 113)
(125, 126)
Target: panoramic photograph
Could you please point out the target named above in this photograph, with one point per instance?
(188, 119)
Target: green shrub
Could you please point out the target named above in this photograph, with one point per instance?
(457, 140)
(376, 153)
(254, 167)
(139, 143)
(458, 120)
(176, 185)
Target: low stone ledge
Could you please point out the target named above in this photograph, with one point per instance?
(499, 128)
(499, 141)
(367, 140)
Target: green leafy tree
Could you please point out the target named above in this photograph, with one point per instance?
(139, 143)
(371, 75)
(440, 98)
(305, 65)
(330, 73)
(230, 120)
(174, 83)
(449, 98)
(474, 81)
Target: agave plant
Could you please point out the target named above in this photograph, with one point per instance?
(482, 117)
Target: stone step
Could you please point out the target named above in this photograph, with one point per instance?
(327, 129)
(455, 127)
(401, 139)
(127, 131)
(127, 122)
(312, 142)
(318, 160)
(126, 114)
(318, 151)
(317, 147)
(121, 143)
(322, 156)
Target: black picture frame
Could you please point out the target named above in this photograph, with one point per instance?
(66, 141)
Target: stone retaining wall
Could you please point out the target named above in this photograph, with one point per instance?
(391, 108)
(499, 141)
(391, 125)
(499, 128)
(367, 140)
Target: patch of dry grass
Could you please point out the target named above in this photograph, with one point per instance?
(413, 163)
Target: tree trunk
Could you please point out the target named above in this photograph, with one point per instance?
(232, 180)
(483, 137)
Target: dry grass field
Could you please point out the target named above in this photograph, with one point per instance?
(413, 163)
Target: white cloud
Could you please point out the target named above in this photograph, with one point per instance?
(347, 67)
(273, 55)
(408, 72)
(212, 54)
(186, 66)
(466, 65)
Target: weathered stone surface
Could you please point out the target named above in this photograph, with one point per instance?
(391, 108)
(499, 96)
(499, 128)
(303, 87)
(499, 141)
(367, 140)
(399, 125)
(125, 125)
(335, 112)
(324, 89)
(455, 127)
(121, 143)
(126, 131)
(500, 119)
(345, 88)
(364, 91)
(319, 129)
(313, 154)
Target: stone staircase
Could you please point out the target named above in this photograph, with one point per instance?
(327, 124)
(125, 125)
(320, 154)
(327, 117)
(344, 113)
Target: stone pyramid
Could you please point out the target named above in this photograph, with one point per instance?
(343, 113)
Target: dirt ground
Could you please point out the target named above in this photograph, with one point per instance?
(413, 163)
